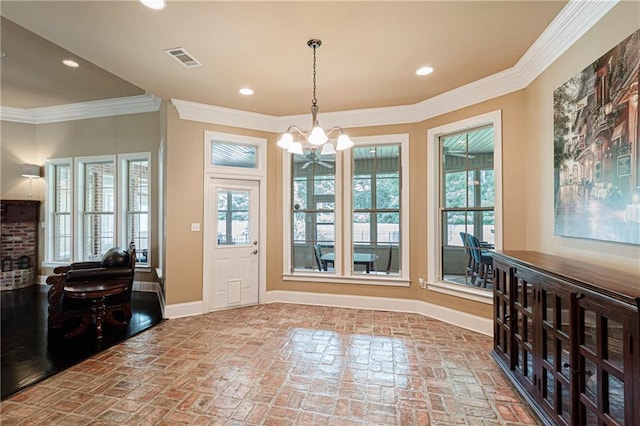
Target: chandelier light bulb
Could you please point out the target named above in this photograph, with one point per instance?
(317, 136)
(285, 141)
(296, 148)
(327, 149)
(344, 142)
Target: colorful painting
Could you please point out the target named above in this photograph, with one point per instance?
(596, 155)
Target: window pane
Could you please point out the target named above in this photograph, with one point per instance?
(361, 228)
(300, 194)
(388, 191)
(362, 192)
(388, 230)
(455, 189)
(487, 188)
(62, 237)
(99, 235)
(233, 217)
(228, 154)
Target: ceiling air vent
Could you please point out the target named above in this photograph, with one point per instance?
(184, 57)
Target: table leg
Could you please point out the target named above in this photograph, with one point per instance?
(100, 312)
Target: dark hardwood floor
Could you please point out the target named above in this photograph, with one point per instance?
(30, 353)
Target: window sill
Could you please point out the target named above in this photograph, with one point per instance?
(337, 279)
(462, 291)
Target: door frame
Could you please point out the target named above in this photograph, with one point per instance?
(259, 175)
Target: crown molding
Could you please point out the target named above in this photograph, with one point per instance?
(82, 110)
(573, 21)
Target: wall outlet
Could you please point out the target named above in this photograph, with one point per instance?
(422, 282)
(195, 227)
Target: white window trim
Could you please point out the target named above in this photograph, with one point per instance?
(434, 282)
(123, 196)
(343, 249)
(225, 171)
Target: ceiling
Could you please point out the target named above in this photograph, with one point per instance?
(369, 54)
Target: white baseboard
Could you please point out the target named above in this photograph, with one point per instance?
(179, 310)
(41, 279)
(450, 316)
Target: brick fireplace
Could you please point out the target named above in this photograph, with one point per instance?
(19, 243)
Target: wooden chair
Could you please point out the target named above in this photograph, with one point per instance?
(94, 292)
(482, 260)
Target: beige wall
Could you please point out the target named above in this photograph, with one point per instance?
(18, 147)
(96, 136)
(611, 30)
(185, 204)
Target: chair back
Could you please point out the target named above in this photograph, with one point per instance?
(474, 248)
(388, 269)
(317, 251)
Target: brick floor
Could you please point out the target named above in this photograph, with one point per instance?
(282, 364)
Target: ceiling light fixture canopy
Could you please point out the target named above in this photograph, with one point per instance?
(316, 138)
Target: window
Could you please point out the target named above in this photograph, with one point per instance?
(466, 204)
(62, 197)
(464, 196)
(376, 207)
(233, 217)
(136, 175)
(95, 203)
(313, 210)
(97, 190)
(375, 217)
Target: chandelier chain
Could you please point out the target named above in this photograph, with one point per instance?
(314, 101)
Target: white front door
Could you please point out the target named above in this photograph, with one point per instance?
(234, 267)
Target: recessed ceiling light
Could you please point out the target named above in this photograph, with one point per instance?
(70, 63)
(2, 54)
(154, 4)
(246, 91)
(424, 71)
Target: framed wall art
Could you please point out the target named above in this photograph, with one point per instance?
(596, 155)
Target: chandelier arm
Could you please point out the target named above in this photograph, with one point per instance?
(297, 131)
(333, 129)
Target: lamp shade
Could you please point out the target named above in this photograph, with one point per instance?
(30, 170)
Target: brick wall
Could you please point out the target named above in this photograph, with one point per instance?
(18, 241)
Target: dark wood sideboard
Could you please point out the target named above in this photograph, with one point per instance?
(567, 335)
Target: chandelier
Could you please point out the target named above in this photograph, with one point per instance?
(316, 138)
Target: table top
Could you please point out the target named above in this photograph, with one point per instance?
(357, 257)
(91, 291)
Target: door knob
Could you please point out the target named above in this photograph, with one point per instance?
(254, 252)
(255, 243)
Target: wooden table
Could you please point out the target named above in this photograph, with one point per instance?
(366, 259)
(99, 312)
